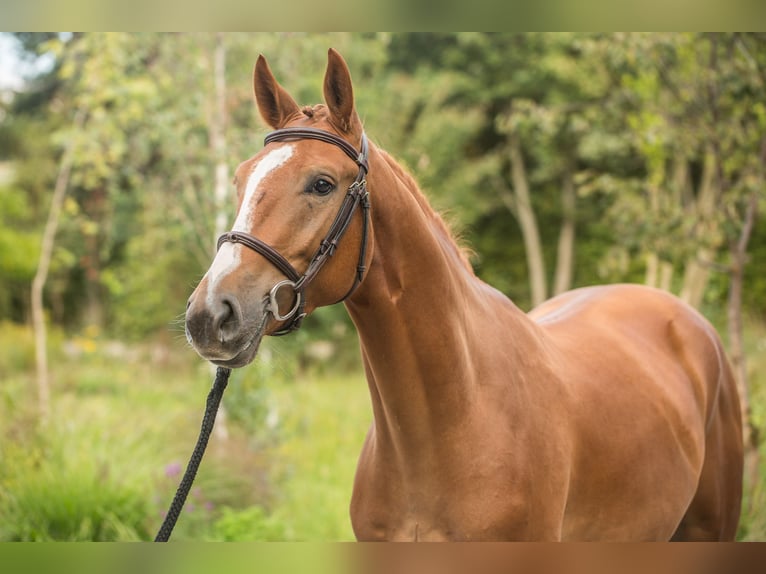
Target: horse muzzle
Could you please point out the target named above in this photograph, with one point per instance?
(223, 331)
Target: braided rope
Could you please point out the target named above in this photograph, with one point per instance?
(208, 420)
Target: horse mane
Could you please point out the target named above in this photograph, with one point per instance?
(463, 252)
(318, 114)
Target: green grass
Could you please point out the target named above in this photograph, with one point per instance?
(324, 425)
(92, 472)
(753, 521)
(121, 431)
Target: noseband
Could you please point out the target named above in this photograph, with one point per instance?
(356, 195)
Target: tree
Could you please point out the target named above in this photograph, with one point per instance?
(524, 112)
(699, 119)
(38, 282)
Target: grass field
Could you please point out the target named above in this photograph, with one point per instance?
(280, 466)
(124, 423)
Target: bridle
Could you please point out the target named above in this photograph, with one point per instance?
(356, 196)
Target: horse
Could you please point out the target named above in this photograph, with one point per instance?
(606, 413)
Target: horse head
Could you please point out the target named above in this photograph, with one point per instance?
(296, 200)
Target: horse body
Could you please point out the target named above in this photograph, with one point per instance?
(606, 413)
(489, 423)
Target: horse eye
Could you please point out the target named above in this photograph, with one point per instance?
(322, 187)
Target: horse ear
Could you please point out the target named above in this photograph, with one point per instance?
(274, 103)
(338, 93)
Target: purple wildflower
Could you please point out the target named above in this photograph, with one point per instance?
(173, 469)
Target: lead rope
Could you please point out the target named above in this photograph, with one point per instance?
(208, 420)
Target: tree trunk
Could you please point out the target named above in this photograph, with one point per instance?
(651, 278)
(696, 275)
(41, 275)
(528, 223)
(659, 273)
(697, 270)
(565, 252)
(221, 185)
(666, 276)
(218, 140)
(738, 252)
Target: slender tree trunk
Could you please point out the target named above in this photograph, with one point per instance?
(697, 269)
(41, 275)
(221, 184)
(528, 223)
(658, 273)
(565, 252)
(696, 276)
(652, 276)
(738, 252)
(218, 139)
(666, 276)
(652, 269)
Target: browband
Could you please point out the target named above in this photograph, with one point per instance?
(316, 134)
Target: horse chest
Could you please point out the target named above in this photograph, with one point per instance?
(413, 518)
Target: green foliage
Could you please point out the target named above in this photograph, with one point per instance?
(694, 99)
(618, 111)
(147, 298)
(247, 525)
(18, 351)
(19, 245)
(753, 522)
(551, 91)
(56, 494)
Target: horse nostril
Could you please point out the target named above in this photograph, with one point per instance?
(226, 321)
(227, 313)
(213, 323)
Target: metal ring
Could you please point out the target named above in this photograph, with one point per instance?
(273, 305)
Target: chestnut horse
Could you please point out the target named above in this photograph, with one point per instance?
(607, 413)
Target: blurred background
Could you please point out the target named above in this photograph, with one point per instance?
(561, 160)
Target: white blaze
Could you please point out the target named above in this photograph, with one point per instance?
(268, 164)
(228, 256)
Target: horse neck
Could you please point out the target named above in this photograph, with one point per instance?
(422, 316)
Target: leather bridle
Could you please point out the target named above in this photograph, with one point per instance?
(356, 196)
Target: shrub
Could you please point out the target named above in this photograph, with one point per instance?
(250, 524)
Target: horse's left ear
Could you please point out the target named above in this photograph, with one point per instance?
(274, 103)
(338, 93)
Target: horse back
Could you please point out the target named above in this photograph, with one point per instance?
(625, 327)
